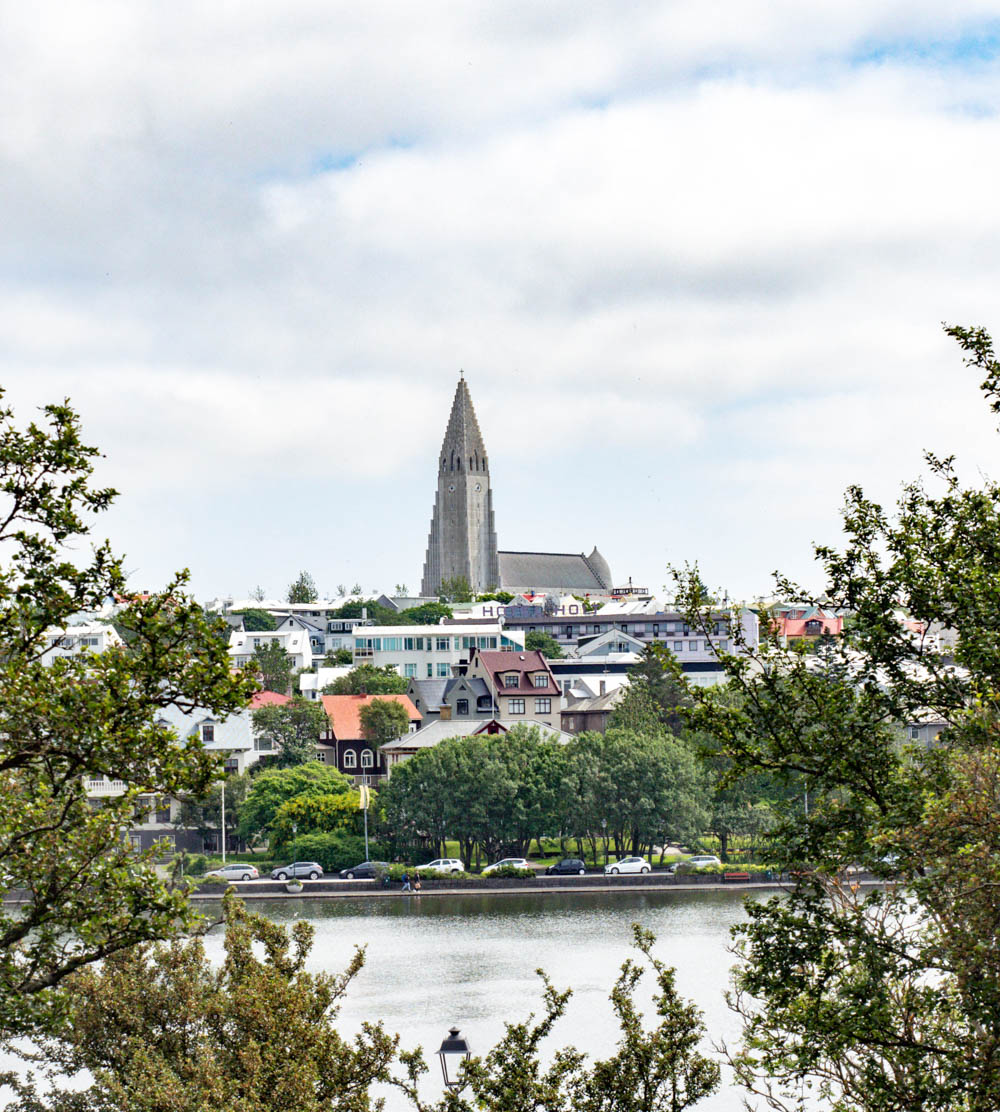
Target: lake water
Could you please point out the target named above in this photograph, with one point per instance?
(470, 961)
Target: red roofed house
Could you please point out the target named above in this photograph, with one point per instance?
(268, 699)
(806, 623)
(522, 685)
(343, 745)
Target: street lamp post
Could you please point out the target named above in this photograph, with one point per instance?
(456, 1049)
(223, 822)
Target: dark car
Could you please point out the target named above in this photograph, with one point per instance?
(567, 865)
(312, 869)
(365, 871)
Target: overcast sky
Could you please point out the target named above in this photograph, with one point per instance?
(693, 258)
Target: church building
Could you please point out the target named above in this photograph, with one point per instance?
(463, 541)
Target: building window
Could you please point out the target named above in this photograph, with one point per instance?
(163, 805)
(540, 679)
(367, 758)
(462, 706)
(512, 679)
(410, 670)
(723, 645)
(678, 646)
(543, 706)
(430, 671)
(444, 669)
(350, 759)
(262, 744)
(443, 644)
(515, 706)
(207, 732)
(656, 631)
(914, 733)
(484, 704)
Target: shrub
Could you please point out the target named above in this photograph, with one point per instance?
(514, 872)
(196, 864)
(334, 850)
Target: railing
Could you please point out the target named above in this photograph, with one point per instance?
(106, 787)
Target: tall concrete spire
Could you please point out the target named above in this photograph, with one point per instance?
(462, 541)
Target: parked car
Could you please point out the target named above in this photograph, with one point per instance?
(505, 863)
(445, 865)
(567, 865)
(365, 871)
(627, 865)
(238, 871)
(699, 861)
(312, 869)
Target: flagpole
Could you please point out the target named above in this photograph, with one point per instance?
(364, 792)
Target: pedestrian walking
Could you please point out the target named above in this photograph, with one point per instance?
(416, 883)
(406, 883)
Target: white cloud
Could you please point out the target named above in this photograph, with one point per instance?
(652, 234)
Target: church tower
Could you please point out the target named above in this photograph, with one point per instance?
(463, 540)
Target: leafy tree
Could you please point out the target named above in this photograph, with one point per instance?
(303, 589)
(336, 658)
(504, 597)
(275, 667)
(258, 594)
(383, 720)
(315, 814)
(356, 589)
(544, 643)
(158, 1028)
(273, 787)
(659, 1069)
(648, 789)
(658, 676)
(367, 679)
(292, 730)
(427, 613)
(455, 589)
(884, 999)
(401, 590)
(255, 620)
(87, 716)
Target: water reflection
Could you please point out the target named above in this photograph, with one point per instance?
(435, 961)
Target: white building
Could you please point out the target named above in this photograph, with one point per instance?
(427, 652)
(92, 637)
(244, 643)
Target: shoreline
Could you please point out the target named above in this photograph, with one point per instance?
(542, 886)
(340, 890)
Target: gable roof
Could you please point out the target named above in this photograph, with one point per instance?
(439, 731)
(268, 699)
(344, 712)
(560, 571)
(525, 664)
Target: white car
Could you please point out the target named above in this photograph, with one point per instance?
(506, 862)
(627, 865)
(445, 865)
(236, 872)
(699, 861)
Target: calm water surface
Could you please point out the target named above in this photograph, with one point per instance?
(435, 961)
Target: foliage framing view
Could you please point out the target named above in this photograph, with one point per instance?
(888, 999)
(84, 716)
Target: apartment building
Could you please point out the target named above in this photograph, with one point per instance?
(430, 651)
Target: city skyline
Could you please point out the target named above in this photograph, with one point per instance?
(693, 263)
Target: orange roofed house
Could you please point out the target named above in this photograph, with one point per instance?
(343, 745)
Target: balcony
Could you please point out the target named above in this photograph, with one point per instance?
(106, 787)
